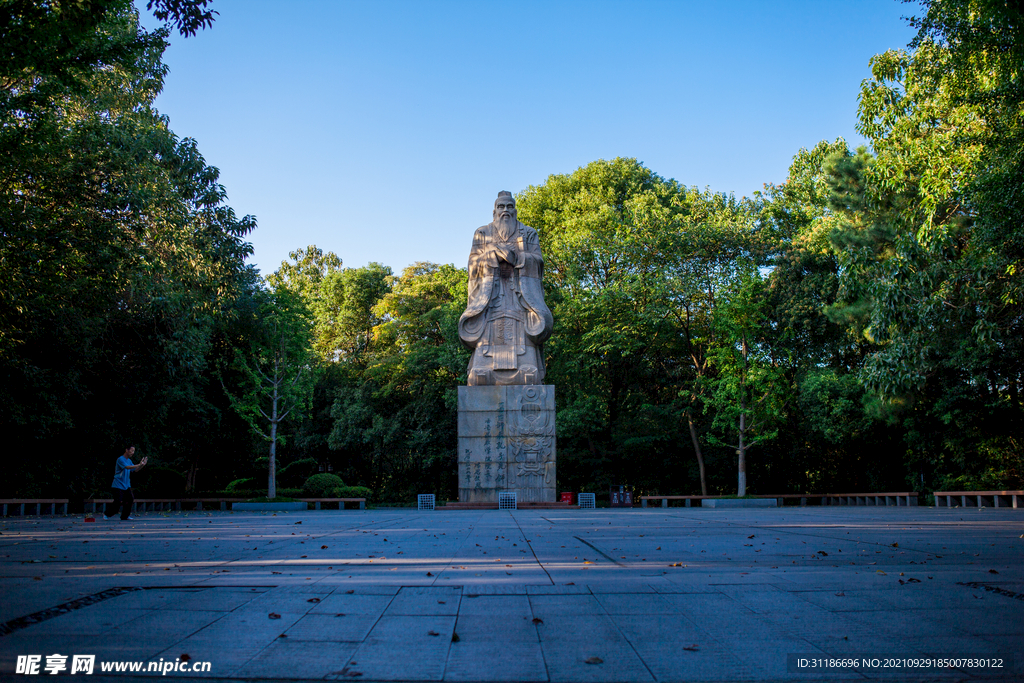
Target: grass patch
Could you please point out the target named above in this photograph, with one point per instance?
(276, 499)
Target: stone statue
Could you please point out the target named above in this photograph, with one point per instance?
(506, 321)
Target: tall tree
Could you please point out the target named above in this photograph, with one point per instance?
(633, 262)
(118, 252)
(746, 394)
(275, 375)
(394, 410)
(932, 245)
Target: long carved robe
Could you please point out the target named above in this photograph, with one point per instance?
(506, 321)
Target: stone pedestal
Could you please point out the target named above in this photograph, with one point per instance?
(507, 443)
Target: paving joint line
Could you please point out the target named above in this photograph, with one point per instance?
(530, 546)
(449, 564)
(600, 552)
(344, 669)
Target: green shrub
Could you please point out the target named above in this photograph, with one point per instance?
(239, 485)
(319, 485)
(293, 474)
(248, 493)
(351, 492)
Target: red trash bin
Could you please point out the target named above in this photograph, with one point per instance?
(567, 497)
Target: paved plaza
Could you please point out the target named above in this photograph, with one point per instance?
(677, 594)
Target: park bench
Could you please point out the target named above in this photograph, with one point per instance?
(20, 504)
(996, 499)
(340, 501)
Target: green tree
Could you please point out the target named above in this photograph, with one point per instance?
(745, 396)
(633, 265)
(119, 256)
(275, 375)
(931, 243)
(345, 310)
(834, 433)
(395, 408)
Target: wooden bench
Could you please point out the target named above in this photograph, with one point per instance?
(20, 503)
(979, 498)
(340, 501)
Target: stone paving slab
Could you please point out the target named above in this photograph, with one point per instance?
(546, 595)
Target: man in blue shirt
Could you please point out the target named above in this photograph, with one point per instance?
(122, 486)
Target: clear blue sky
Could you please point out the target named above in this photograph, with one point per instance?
(383, 130)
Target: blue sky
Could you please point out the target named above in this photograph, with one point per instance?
(383, 130)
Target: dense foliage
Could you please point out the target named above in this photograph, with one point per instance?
(856, 327)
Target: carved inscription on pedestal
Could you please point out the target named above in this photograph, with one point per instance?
(531, 440)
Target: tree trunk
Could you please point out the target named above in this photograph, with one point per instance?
(741, 484)
(700, 456)
(272, 474)
(190, 477)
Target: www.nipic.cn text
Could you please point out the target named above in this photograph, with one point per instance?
(86, 664)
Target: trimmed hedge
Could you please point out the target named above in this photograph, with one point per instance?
(320, 485)
(248, 493)
(351, 492)
(241, 485)
(293, 474)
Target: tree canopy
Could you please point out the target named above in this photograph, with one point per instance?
(857, 326)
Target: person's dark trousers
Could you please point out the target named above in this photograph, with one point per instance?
(123, 499)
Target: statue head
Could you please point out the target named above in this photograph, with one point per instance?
(504, 206)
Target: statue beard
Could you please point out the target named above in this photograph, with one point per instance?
(507, 227)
